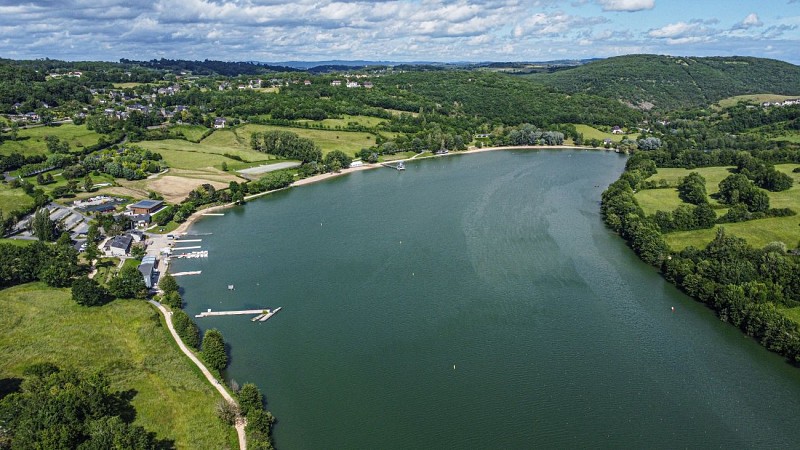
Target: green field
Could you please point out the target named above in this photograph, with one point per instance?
(348, 141)
(125, 340)
(754, 99)
(365, 121)
(792, 313)
(126, 85)
(593, 133)
(13, 199)
(31, 140)
(757, 232)
(795, 138)
(209, 152)
(192, 132)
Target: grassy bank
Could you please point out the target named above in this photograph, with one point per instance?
(757, 232)
(128, 342)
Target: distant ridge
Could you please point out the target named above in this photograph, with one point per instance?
(671, 82)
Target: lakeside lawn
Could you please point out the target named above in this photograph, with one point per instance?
(31, 140)
(590, 132)
(127, 341)
(757, 232)
(349, 142)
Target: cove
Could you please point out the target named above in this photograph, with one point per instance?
(476, 302)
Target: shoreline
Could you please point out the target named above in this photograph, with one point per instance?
(184, 227)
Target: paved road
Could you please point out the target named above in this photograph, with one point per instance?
(240, 423)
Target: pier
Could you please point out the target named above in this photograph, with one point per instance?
(261, 314)
(193, 272)
(398, 166)
(187, 248)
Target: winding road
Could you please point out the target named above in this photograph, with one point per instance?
(240, 422)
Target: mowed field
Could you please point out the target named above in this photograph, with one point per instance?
(593, 133)
(349, 142)
(757, 232)
(30, 141)
(754, 99)
(13, 199)
(652, 200)
(126, 341)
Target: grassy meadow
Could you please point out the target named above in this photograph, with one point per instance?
(31, 140)
(127, 341)
(590, 132)
(757, 232)
(754, 99)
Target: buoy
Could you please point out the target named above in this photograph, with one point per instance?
(673, 309)
(454, 367)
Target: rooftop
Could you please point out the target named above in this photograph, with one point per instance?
(146, 204)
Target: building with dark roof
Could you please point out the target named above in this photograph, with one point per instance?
(146, 206)
(119, 245)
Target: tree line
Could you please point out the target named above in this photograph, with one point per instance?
(744, 285)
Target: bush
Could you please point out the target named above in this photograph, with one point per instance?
(213, 351)
(87, 292)
(186, 328)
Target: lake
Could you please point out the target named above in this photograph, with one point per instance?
(476, 301)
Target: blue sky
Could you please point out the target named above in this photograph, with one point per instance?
(402, 30)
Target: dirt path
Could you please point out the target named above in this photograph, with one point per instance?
(240, 422)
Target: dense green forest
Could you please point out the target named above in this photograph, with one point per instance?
(668, 82)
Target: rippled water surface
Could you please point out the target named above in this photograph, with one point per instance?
(476, 302)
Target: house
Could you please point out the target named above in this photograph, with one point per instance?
(147, 269)
(219, 122)
(353, 84)
(336, 83)
(368, 84)
(357, 163)
(607, 141)
(307, 82)
(118, 245)
(137, 236)
(616, 130)
(141, 220)
(146, 206)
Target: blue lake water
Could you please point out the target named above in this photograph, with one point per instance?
(476, 302)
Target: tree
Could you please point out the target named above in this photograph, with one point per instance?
(63, 409)
(340, 157)
(88, 183)
(168, 284)
(250, 398)
(42, 227)
(186, 328)
(128, 283)
(259, 430)
(213, 350)
(692, 189)
(88, 292)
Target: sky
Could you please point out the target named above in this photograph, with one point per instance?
(396, 30)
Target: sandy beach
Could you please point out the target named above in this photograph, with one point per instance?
(184, 227)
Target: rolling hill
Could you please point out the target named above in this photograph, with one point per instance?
(669, 82)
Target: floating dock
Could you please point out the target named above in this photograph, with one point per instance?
(261, 314)
(193, 272)
(195, 247)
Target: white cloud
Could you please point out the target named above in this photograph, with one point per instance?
(750, 21)
(626, 5)
(675, 30)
